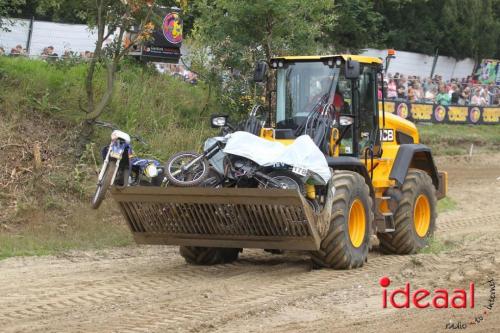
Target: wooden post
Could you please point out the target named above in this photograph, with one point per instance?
(37, 156)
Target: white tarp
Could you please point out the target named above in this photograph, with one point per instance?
(302, 153)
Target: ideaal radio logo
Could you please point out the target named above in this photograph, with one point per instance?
(440, 298)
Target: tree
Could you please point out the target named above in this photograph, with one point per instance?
(234, 34)
(8, 8)
(356, 25)
(112, 19)
(411, 25)
(459, 28)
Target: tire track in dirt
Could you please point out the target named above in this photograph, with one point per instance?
(261, 298)
(136, 290)
(480, 220)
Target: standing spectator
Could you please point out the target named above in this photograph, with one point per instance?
(66, 55)
(16, 51)
(491, 92)
(485, 94)
(496, 101)
(386, 86)
(478, 99)
(430, 95)
(45, 53)
(412, 94)
(51, 55)
(464, 96)
(443, 97)
(2, 51)
(392, 88)
(402, 92)
(428, 85)
(455, 94)
(20, 49)
(418, 91)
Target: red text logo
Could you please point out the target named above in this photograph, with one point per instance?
(423, 298)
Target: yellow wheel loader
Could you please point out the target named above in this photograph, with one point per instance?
(383, 181)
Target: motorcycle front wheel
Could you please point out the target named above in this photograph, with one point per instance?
(177, 173)
(103, 185)
(286, 180)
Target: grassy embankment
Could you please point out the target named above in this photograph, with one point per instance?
(46, 211)
(457, 139)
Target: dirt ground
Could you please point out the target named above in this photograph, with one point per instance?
(151, 289)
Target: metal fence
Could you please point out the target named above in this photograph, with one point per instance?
(33, 36)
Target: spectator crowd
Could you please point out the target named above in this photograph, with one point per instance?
(177, 71)
(466, 91)
(48, 53)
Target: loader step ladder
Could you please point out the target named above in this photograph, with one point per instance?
(226, 217)
(385, 220)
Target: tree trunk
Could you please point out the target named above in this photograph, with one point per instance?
(86, 132)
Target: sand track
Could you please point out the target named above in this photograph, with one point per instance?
(151, 289)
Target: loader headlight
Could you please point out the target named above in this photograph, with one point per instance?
(151, 171)
(346, 120)
(218, 121)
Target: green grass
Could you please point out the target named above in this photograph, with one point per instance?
(446, 204)
(436, 246)
(456, 139)
(82, 230)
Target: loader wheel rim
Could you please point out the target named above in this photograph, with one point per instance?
(422, 215)
(357, 223)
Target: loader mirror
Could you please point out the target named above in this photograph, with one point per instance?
(352, 69)
(217, 120)
(259, 74)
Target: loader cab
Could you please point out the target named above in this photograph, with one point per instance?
(347, 87)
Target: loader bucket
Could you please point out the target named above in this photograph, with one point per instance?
(227, 217)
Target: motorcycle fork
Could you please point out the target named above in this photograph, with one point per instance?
(104, 166)
(207, 154)
(116, 171)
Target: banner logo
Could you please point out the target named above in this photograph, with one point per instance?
(172, 28)
(439, 113)
(474, 114)
(403, 110)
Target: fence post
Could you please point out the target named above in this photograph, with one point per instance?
(30, 34)
(434, 63)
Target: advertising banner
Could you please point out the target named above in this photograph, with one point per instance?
(488, 72)
(165, 46)
(445, 114)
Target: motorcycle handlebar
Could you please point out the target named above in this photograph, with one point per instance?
(105, 124)
(113, 127)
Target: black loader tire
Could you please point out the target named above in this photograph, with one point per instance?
(208, 255)
(405, 240)
(337, 250)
